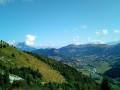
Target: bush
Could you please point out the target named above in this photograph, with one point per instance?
(13, 55)
(19, 83)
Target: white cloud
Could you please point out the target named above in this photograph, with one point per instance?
(95, 41)
(98, 42)
(79, 43)
(43, 45)
(83, 26)
(97, 33)
(75, 38)
(117, 31)
(30, 40)
(47, 45)
(104, 32)
(14, 43)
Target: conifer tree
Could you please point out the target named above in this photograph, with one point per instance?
(1, 80)
(6, 79)
(105, 84)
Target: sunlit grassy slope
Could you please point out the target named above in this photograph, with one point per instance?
(12, 57)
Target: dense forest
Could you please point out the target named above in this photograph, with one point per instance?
(114, 72)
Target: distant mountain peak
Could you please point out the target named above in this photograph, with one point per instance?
(23, 47)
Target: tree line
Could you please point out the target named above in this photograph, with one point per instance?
(76, 80)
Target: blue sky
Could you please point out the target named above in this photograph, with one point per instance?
(56, 23)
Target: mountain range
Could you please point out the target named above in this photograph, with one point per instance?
(67, 52)
(23, 47)
(52, 53)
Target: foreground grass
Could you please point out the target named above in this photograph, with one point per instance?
(12, 57)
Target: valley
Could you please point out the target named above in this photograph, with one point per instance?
(93, 60)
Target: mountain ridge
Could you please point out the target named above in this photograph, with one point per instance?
(72, 50)
(23, 47)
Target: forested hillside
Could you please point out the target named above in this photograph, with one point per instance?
(27, 70)
(96, 60)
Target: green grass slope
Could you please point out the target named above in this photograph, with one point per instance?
(39, 72)
(13, 57)
(76, 80)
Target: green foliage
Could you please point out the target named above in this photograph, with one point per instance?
(16, 58)
(0, 45)
(4, 80)
(105, 84)
(0, 88)
(24, 72)
(19, 83)
(13, 55)
(1, 80)
(32, 78)
(74, 78)
(4, 46)
(113, 73)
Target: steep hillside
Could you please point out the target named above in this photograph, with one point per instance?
(23, 70)
(76, 80)
(12, 57)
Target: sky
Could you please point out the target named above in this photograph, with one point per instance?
(57, 23)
